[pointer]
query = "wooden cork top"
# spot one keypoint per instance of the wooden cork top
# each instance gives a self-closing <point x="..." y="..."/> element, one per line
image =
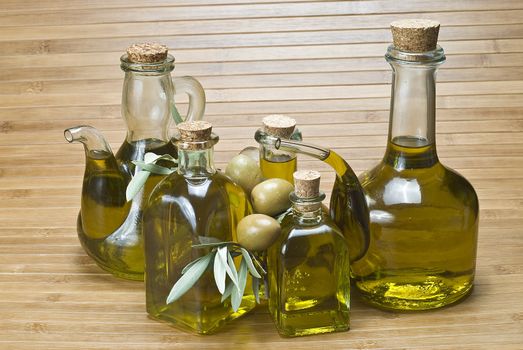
<point x="147" y="53"/>
<point x="279" y="125"/>
<point x="307" y="183"/>
<point x="415" y="35"/>
<point x="195" y="131"/>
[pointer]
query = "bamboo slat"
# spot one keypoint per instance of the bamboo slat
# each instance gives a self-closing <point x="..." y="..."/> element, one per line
<point x="320" y="62"/>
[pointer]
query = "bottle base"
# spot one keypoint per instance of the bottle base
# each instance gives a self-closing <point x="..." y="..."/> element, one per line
<point x="199" y="325"/>
<point x="324" y="322"/>
<point x="414" y="294"/>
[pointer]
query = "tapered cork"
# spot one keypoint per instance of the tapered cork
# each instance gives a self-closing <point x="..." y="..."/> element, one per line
<point x="147" y="53"/>
<point x="415" y="35"/>
<point x="307" y="183"/>
<point x="279" y="125"/>
<point x="195" y="131"/>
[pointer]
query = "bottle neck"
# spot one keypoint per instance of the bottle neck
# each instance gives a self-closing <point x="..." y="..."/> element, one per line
<point x="412" y="126"/>
<point x="147" y="99"/>
<point x="307" y="211"/>
<point x="196" y="163"/>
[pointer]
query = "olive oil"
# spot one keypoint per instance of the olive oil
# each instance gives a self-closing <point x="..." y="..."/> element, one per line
<point x="197" y="201"/>
<point x="275" y="163"/>
<point x="424" y="222"/>
<point x="423" y="215"/>
<point x="282" y="167"/>
<point x="309" y="272"/>
<point x="109" y="227"/>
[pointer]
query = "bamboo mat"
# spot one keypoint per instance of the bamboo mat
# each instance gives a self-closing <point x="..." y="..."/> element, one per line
<point x="318" y="61"/>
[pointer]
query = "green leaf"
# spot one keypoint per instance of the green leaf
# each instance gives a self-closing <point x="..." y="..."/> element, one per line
<point x="250" y="265"/>
<point x="233" y="274"/>
<point x="154" y="168"/>
<point x="259" y="265"/>
<point x="209" y="245"/>
<point x="256" y="289"/>
<point x="191" y="276"/>
<point x="237" y="295"/>
<point x="176" y="116"/>
<point x="206" y="239"/>
<point x="228" y="291"/>
<point x="220" y="270"/>
<point x="136" y="184"/>
<point x="188" y="266"/>
<point x="223" y="255"/>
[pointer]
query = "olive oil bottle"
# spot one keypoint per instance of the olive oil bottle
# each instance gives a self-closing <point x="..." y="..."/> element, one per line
<point x="197" y="201"/>
<point x="109" y="227"/>
<point x="348" y="206"/>
<point x="309" y="267"/>
<point x="276" y="163"/>
<point x="424" y="216"/>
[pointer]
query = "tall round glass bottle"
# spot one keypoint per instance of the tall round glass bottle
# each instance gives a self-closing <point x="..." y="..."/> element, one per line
<point x="424" y="216"/>
<point x="197" y="201"/>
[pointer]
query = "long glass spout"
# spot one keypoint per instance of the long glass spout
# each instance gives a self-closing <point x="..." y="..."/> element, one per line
<point x="348" y="205"/>
<point x="90" y="137"/>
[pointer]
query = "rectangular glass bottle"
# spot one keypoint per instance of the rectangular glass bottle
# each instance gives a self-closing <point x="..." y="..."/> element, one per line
<point x="309" y="268"/>
<point x="196" y="201"/>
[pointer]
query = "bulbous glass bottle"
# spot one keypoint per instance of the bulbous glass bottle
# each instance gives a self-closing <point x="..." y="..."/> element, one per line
<point x="424" y="216"/>
<point x="196" y="201"/>
<point x="109" y="226"/>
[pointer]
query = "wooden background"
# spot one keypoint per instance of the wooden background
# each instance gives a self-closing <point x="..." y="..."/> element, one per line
<point x="318" y="61"/>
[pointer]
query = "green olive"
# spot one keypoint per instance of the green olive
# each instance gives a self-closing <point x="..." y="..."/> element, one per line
<point x="257" y="232"/>
<point x="244" y="171"/>
<point x="271" y="197"/>
<point x="252" y="152"/>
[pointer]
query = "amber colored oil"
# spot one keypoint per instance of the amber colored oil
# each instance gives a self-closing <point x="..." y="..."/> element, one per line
<point x="181" y="209"/>
<point x="352" y="219"/>
<point x="281" y="167"/>
<point x="309" y="279"/>
<point x="109" y="227"/>
<point x="424" y="225"/>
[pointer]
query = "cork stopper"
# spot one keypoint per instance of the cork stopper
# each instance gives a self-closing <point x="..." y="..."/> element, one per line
<point x="147" y="53"/>
<point x="279" y="125"/>
<point x="307" y="183"/>
<point x="195" y="131"/>
<point x="415" y="35"/>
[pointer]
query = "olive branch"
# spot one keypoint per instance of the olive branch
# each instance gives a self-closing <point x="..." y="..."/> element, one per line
<point x="221" y="257"/>
<point x="145" y="168"/>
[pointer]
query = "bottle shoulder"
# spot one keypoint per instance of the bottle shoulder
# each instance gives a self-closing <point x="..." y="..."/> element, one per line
<point x="434" y="186"/>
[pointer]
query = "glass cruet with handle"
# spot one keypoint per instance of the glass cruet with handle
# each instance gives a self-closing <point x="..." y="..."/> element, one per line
<point x="109" y="225"/>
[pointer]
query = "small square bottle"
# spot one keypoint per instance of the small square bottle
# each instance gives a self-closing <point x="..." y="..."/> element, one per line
<point x="309" y="267"/>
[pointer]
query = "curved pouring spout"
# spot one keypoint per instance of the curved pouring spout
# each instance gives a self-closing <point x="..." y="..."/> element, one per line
<point x="105" y="218"/>
<point x="90" y="137"/>
<point x="348" y="205"/>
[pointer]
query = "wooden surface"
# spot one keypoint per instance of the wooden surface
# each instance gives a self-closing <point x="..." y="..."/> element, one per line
<point x="321" y="62"/>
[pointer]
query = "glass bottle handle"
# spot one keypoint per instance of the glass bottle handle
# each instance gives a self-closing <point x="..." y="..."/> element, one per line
<point x="194" y="90"/>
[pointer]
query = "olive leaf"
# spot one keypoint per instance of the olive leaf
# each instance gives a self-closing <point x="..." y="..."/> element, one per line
<point x="136" y="184"/>
<point x="228" y="291"/>
<point x="207" y="239"/>
<point x="176" y="115"/>
<point x="210" y="244"/>
<point x="220" y="272"/>
<point x="146" y="167"/>
<point x="222" y="257"/>
<point x="250" y="265"/>
<point x="256" y="289"/>
<point x="188" y="279"/>
<point x="154" y="168"/>
<point x="237" y="294"/>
